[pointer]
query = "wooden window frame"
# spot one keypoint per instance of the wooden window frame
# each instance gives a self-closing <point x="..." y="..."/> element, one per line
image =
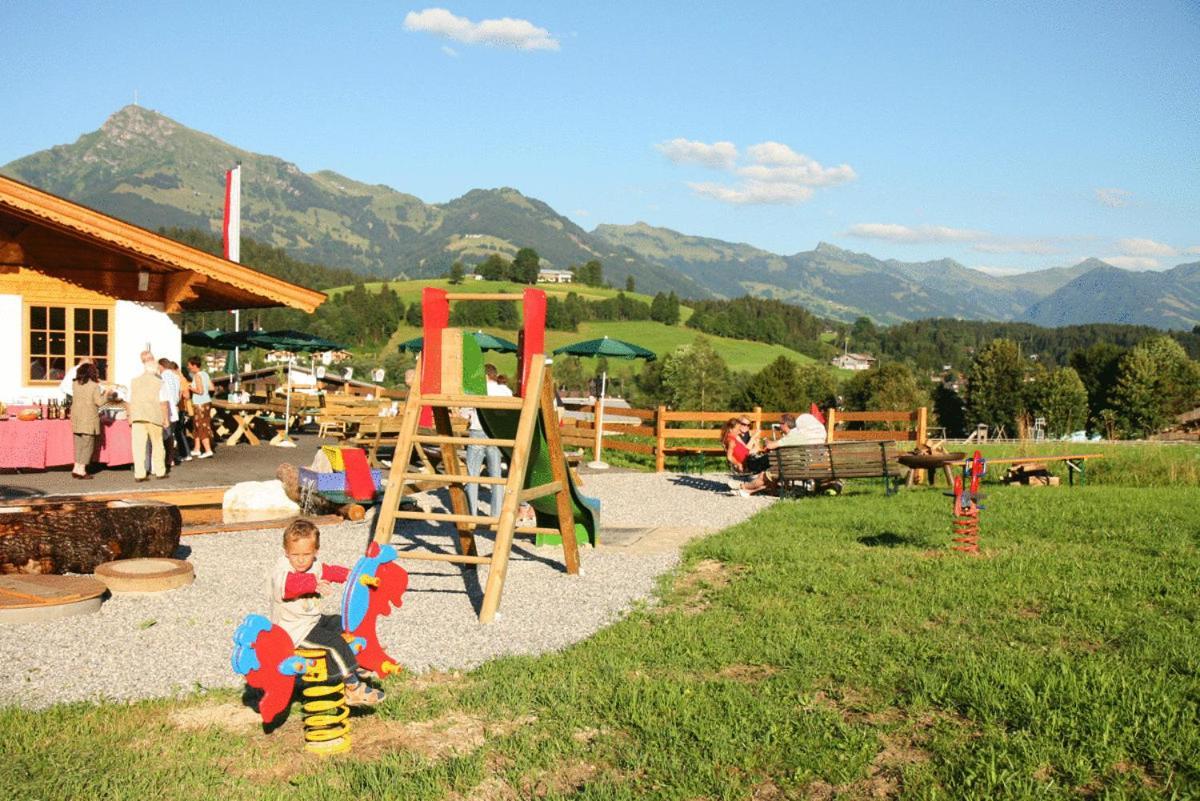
<point x="69" y="331"/>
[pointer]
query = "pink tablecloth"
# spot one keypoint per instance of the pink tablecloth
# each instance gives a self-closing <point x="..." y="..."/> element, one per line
<point x="38" y="444"/>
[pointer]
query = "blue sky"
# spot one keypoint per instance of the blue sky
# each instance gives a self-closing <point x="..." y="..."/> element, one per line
<point x="1009" y="136"/>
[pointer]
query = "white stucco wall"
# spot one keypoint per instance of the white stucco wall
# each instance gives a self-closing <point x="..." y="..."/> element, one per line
<point x="12" y="347"/>
<point x="138" y="326"/>
<point x="134" y="326"/>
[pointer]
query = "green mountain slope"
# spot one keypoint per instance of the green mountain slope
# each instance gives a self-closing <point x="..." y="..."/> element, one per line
<point x="1168" y="299"/>
<point x="146" y="168"/>
<point x="827" y="280"/>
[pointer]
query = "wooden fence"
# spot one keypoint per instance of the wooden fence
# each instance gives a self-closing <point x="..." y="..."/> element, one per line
<point x="662" y="432"/>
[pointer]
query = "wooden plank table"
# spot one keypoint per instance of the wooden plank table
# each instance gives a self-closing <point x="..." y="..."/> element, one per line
<point x="243" y="414"/>
<point x="1075" y="464"/>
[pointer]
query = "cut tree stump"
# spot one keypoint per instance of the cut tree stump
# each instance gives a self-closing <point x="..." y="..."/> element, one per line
<point x="74" y="535"/>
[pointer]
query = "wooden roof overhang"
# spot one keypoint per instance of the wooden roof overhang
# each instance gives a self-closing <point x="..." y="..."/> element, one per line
<point x="45" y="233"/>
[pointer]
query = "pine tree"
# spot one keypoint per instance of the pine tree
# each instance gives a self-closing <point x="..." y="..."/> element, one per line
<point x="994" y="386"/>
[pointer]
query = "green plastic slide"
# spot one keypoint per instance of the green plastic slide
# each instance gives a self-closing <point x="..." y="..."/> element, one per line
<point x="502" y="424"/>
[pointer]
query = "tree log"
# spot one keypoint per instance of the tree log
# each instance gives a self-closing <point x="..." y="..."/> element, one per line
<point x="74" y="535"/>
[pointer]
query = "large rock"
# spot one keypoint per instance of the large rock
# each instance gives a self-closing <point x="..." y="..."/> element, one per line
<point x="257" y="500"/>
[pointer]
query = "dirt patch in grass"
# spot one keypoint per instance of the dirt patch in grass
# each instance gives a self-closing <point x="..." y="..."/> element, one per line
<point x="229" y="717"/>
<point x="565" y="779"/>
<point x="453" y="734"/>
<point x="694" y="587"/>
<point x="748" y="674"/>
<point x="901" y="735"/>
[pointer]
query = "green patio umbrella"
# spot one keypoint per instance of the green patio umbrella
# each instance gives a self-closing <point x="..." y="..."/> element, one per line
<point x="613" y="349"/>
<point x="296" y="342"/>
<point x="607" y="346"/>
<point x="486" y="342"/>
<point x="212" y="338"/>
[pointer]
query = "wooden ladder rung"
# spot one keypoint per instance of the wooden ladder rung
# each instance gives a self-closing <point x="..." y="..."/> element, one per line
<point x="426" y="439"/>
<point x="442" y="478"/>
<point x="536" y="530"/>
<point x="476" y="401"/>
<point x="429" y="556"/>
<point x="447" y="517"/>
<point x="542" y="491"/>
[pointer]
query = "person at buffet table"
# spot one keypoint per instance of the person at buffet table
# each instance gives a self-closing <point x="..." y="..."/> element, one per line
<point x="174" y="382"/>
<point x="201" y="391"/>
<point x="87" y="396"/>
<point x="148" y="416"/>
<point x="69" y="379"/>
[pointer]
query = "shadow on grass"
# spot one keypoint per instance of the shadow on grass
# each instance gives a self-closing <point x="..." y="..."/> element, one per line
<point x="890" y="539"/>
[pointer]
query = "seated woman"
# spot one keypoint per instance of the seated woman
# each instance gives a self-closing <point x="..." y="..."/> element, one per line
<point x="743" y="457"/>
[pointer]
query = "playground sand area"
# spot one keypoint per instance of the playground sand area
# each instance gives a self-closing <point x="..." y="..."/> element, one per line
<point x="174" y="643"/>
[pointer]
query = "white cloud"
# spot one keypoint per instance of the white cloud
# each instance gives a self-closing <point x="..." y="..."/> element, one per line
<point x="753" y="193"/>
<point x="1113" y="198"/>
<point x="914" y="234"/>
<point x="450" y="51"/>
<point x="1144" y="247"/>
<point x="810" y="173"/>
<point x="718" y="155"/>
<point x="775" y="174"/>
<point x="505" y="32"/>
<point x="1193" y="250"/>
<point x="582" y="213"/>
<point x="1132" y="262"/>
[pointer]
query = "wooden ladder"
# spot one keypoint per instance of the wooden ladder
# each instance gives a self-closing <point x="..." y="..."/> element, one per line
<point x="538" y="401"/>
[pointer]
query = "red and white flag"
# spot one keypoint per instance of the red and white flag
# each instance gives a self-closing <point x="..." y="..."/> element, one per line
<point x="231" y="230"/>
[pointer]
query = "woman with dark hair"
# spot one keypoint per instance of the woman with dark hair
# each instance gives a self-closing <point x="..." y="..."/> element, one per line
<point x="201" y="390"/>
<point x="86" y="399"/>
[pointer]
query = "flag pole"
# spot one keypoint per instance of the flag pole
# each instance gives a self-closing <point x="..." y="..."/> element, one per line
<point x="231" y="243"/>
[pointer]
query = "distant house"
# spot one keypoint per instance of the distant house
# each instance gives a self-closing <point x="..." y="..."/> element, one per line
<point x="555" y="276"/>
<point x="854" y="361"/>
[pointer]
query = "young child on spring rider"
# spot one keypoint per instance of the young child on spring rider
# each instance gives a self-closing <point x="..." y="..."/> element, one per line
<point x="264" y="650"/>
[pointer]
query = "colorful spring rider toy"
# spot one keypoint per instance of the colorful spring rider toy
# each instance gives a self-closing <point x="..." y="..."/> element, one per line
<point x="269" y="660"/>
<point x="966" y="505"/>
<point x="326" y="716"/>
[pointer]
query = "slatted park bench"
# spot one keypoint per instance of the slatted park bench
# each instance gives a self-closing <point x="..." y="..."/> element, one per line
<point x="799" y="469"/>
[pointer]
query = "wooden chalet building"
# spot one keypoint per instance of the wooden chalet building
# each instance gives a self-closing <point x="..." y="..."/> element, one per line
<point x="75" y="282"/>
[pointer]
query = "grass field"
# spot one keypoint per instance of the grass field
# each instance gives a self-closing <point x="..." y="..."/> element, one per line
<point x="739" y="354"/>
<point x="831" y="647"/>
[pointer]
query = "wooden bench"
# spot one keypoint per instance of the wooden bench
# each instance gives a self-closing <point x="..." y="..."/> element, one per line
<point x="799" y="468"/>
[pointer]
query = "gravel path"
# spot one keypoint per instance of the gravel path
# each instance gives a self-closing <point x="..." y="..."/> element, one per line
<point x="173" y="643"/>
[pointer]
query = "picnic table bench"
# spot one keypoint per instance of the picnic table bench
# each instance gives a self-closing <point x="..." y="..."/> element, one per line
<point x="1076" y="463"/>
<point x="800" y="468"/>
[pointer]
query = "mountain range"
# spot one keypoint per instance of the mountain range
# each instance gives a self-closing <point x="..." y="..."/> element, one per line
<point x="148" y="169"/>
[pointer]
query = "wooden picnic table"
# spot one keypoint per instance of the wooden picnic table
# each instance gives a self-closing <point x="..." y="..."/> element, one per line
<point x="244" y="414"/>
<point x="1076" y="463"/>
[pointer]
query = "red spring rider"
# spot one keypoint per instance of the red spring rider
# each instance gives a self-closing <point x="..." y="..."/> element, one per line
<point x="966" y="505"/>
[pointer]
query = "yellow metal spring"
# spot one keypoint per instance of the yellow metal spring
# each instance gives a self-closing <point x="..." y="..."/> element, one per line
<point x="326" y="716"/>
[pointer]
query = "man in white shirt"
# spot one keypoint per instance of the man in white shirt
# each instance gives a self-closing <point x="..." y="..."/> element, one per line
<point x="476" y="453"/>
<point x="171" y="391"/>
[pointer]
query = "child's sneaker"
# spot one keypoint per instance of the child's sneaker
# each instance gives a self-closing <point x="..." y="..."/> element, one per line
<point x="363" y="694"/>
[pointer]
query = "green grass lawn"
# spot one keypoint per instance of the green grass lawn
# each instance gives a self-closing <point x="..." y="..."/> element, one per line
<point x="829" y="647"/>
<point x="739" y="354"/>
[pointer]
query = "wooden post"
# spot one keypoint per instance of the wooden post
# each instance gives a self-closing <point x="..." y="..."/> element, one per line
<point x="598" y="424"/>
<point x="660" y="425"/>
<point x="558" y="472"/>
<point x="758" y="422"/>
<point x="512" y="497"/>
<point x="922" y="436"/>
<point x="830" y="422"/>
